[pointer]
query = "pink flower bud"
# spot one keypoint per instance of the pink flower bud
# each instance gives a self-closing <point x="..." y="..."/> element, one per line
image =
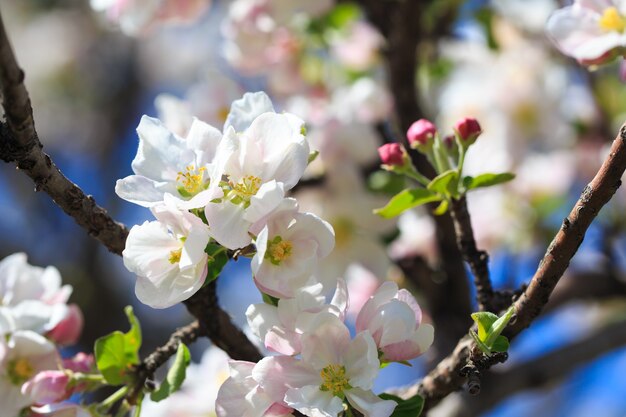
<point x="392" y="154"/>
<point x="81" y="362"/>
<point x="421" y="133"/>
<point x="468" y="130"/>
<point x="47" y="387"/>
<point x="69" y="329"/>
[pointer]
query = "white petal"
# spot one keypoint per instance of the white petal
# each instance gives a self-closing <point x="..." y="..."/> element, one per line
<point x="267" y="199"/>
<point x="227" y="224"/>
<point x="246" y="109"/>
<point x="312" y="402"/>
<point x="326" y="344"/>
<point x="361" y="361"/>
<point x="139" y="190"/>
<point x="369" y="404"/>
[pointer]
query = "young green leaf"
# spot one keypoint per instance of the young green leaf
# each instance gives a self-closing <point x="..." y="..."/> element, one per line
<point x="498" y="326"/>
<point x="175" y="376"/>
<point x="444" y="183"/>
<point x="405" y="408"/>
<point x="484" y="320"/>
<point x="132" y="339"/>
<point x="501" y="344"/>
<point x="486" y="180"/>
<point x="405" y="200"/>
<point x="111" y="357"/>
<point x="441" y="208"/>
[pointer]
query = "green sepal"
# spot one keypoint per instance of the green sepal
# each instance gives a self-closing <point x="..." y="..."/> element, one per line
<point x="117" y="352"/>
<point x="483" y="347"/>
<point x="216" y="261"/>
<point x="486" y="180"/>
<point x="268" y="299"/>
<point x="406" y="408"/>
<point x="312" y="156"/>
<point x="405" y="200"/>
<point x="175" y="376"/>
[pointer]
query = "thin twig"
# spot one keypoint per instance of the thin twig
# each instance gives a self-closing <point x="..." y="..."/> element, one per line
<point x="145" y="371"/>
<point x="19" y="143"/>
<point x="446" y="378"/>
<point x="477" y="259"/>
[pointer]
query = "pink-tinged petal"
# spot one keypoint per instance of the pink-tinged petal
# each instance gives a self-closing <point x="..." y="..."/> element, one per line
<point x="310" y="401"/>
<point x="279" y="373"/>
<point x="261" y="318"/>
<point x="396" y="320"/>
<point x="340" y="298"/>
<point x="406" y="297"/>
<point x="409" y="349"/>
<point x="283" y="341"/>
<point x="361" y="361"/>
<point x="310" y="226"/>
<point x="278" y="410"/>
<point x="385" y="292"/>
<point x="369" y="404"/>
<point x="227" y="224"/>
<point x="325" y="344"/>
<point x="69" y="329"/>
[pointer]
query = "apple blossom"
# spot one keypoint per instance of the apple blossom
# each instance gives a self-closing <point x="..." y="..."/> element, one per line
<point x="289" y="246"/>
<point x="167" y="164"/>
<point x="47" y="387"/>
<point x="81" y="362"/>
<point x="254" y="167"/>
<point x="332" y="369"/>
<point x="22" y="356"/>
<point x="168" y="256"/>
<point x="592" y="32"/>
<point x="241" y="396"/>
<point x="393" y="318"/>
<point x="281" y="327"/>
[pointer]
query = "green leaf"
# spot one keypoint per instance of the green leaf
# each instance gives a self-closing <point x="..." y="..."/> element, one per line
<point x="175" y="375"/>
<point x="444" y="183"/>
<point x="487" y="180"/>
<point x="132" y="339"/>
<point x="218" y="258"/>
<point x="268" y="299"/>
<point x="498" y="326"/>
<point x="501" y="344"/>
<point x="483" y="347"/>
<point x="441" y="208"/>
<point x="405" y="200"/>
<point x="111" y="357"/>
<point x="405" y="408"/>
<point x="484" y="320"/>
<point x="343" y="14"/>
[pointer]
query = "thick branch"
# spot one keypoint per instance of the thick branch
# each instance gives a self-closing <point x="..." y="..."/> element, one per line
<point x="477" y="259"/>
<point x="19" y="143"/>
<point x="144" y="371"/>
<point x="446" y="378"/>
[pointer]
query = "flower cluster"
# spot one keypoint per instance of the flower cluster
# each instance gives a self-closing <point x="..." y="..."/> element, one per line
<point x="35" y="320"/>
<point x="217" y="192"/>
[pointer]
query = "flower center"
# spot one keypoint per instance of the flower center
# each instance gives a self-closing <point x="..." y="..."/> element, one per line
<point x="344" y="229"/>
<point x="611" y="20"/>
<point x="334" y="380"/>
<point x="19" y="371"/>
<point x="246" y="187"/>
<point x="191" y="181"/>
<point x="222" y="113"/>
<point x="175" y="256"/>
<point x="278" y="250"/>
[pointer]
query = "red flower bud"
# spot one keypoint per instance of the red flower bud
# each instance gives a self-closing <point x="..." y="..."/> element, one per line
<point x="421" y="133"/>
<point x="392" y="154"/>
<point x="468" y="130"/>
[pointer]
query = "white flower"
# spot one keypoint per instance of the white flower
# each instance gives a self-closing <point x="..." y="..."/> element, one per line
<point x="168" y="256"/>
<point x="332" y="368"/>
<point x="241" y="396"/>
<point x="289" y="247"/>
<point x="254" y="167"/>
<point x="593" y="32"/>
<point x="22" y="356"/>
<point x="281" y="327"/>
<point x="394" y="318"/>
<point x="167" y="164"/>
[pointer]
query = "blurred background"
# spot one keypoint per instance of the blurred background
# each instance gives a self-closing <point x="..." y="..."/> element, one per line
<point x="93" y="69"/>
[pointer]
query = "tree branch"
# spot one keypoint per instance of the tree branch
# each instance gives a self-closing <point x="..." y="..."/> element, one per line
<point x="19" y="143"/>
<point x="477" y="259"/>
<point x="446" y="377"/>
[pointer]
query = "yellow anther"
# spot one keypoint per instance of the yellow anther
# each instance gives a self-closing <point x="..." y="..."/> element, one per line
<point x="20" y="371"/>
<point x="246" y="187"/>
<point x="278" y="250"/>
<point x="334" y="380"/>
<point x="192" y="180"/>
<point x="175" y="256"/>
<point x="344" y="229"/>
<point x="612" y="20"/>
